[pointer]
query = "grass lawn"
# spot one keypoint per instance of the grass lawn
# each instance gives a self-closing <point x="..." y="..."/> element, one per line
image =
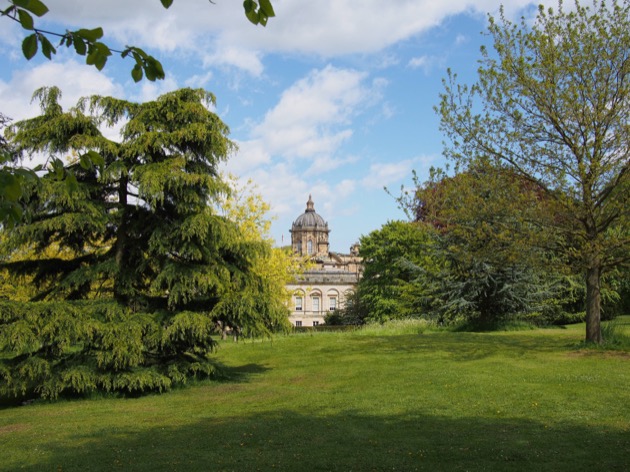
<point x="371" y="400"/>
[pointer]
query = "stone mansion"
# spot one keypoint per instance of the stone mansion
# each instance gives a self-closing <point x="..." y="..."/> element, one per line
<point x="323" y="287"/>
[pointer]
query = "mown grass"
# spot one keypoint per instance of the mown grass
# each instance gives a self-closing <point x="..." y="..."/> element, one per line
<point x="396" y="398"/>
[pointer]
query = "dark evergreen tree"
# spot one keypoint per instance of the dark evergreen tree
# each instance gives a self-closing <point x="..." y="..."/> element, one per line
<point x="133" y="262"/>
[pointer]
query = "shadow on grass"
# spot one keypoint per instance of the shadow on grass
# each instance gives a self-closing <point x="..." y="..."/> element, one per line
<point x="291" y="441"/>
<point x="466" y="346"/>
<point x="240" y="374"/>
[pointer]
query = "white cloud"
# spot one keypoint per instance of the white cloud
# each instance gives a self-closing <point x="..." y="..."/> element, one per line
<point x="345" y="188"/>
<point x="325" y="164"/>
<point x="73" y="79"/>
<point x="426" y="63"/>
<point x="148" y="90"/>
<point x="240" y="58"/>
<point x="313" y="116"/>
<point x="417" y="62"/>
<point x="282" y="187"/>
<point x="383" y="174"/>
<point x="327" y="28"/>
<point x="250" y="155"/>
<point x="199" y="80"/>
<point x="461" y="39"/>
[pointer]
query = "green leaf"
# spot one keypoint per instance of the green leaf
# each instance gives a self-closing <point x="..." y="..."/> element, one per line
<point x="79" y="45"/>
<point x="26" y="20"/>
<point x="15" y="213"/>
<point x="90" y="35"/>
<point x="47" y="48"/>
<point x="10" y="214"/>
<point x="136" y="73"/>
<point x="29" y="46"/>
<point x="26" y="173"/>
<point x="252" y="16"/>
<point x="156" y="68"/>
<point x="166" y="3"/>
<point x="71" y="182"/>
<point x="57" y="168"/>
<point x="98" y="54"/>
<point x="36" y="7"/>
<point x="138" y="54"/>
<point x="150" y="72"/>
<point x="249" y="6"/>
<point x="265" y="6"/>
<point x="11" y="188"/>
<point x="251" y="12"/>
<point x="100" y="61"/>
<point x="85" y="162"/>
<point x="90" y="60"/>
<point x="95" y="158"/>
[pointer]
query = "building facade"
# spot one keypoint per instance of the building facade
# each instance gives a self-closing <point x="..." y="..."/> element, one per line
<point x="324" y="286"/>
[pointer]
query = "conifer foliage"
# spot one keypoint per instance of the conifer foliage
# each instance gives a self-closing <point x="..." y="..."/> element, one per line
<point x="133" y="263"/>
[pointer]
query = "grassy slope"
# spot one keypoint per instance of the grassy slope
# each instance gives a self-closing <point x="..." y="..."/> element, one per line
<point x="379" y="400"/>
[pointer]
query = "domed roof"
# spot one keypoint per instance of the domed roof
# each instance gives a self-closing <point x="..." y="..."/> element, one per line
<point x="309" y="218"/>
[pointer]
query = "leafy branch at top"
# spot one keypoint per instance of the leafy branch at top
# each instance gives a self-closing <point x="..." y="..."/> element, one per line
<point x="86" y="42"/>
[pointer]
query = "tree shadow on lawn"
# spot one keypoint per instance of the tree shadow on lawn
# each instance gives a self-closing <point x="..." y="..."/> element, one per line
<point x="292" y="441"/>
<point x="469" y="346"/>
<point x="239" y="373"/>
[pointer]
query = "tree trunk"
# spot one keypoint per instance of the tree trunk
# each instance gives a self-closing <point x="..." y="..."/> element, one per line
<point x="120" y="289"/>
<point x="593" y="304"/>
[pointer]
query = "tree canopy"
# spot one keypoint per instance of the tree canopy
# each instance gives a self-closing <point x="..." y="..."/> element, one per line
<point x="499" y="256"/>
<point x="131" y="263"/>
<point x="387" y="289"/>
<point x="552" y="105"/>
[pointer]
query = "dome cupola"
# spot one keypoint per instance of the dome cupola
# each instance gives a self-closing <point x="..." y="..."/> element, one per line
<point x="309" y="233"/>
<point x="310" y="218"/>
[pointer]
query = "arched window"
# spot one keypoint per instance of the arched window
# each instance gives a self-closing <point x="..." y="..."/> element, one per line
<point x="333" y="300"/>
<point x="309" y="247"/>
<point x="332" y="303"/>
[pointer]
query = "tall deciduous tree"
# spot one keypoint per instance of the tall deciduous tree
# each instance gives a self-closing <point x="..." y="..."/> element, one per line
<point x="552" y="104"/>
<point x="135" y="265"/>
<point x="492" y="232"/>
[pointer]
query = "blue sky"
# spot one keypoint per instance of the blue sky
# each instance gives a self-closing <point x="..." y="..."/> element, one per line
<point x="333" y="98"/>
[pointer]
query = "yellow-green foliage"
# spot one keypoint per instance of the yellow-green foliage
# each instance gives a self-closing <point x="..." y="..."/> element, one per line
<point x="275" y="267"/>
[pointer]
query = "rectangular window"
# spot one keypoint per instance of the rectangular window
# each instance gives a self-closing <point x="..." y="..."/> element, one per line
<point x="315" y="323"/>
<point x="298" y="323"/>
<point x="315" y="303"/>
<point x="298" y="303"/>
<point x="332" y="303"/>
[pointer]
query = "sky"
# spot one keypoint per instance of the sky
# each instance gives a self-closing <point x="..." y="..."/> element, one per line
<point x="333" y="98"/>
